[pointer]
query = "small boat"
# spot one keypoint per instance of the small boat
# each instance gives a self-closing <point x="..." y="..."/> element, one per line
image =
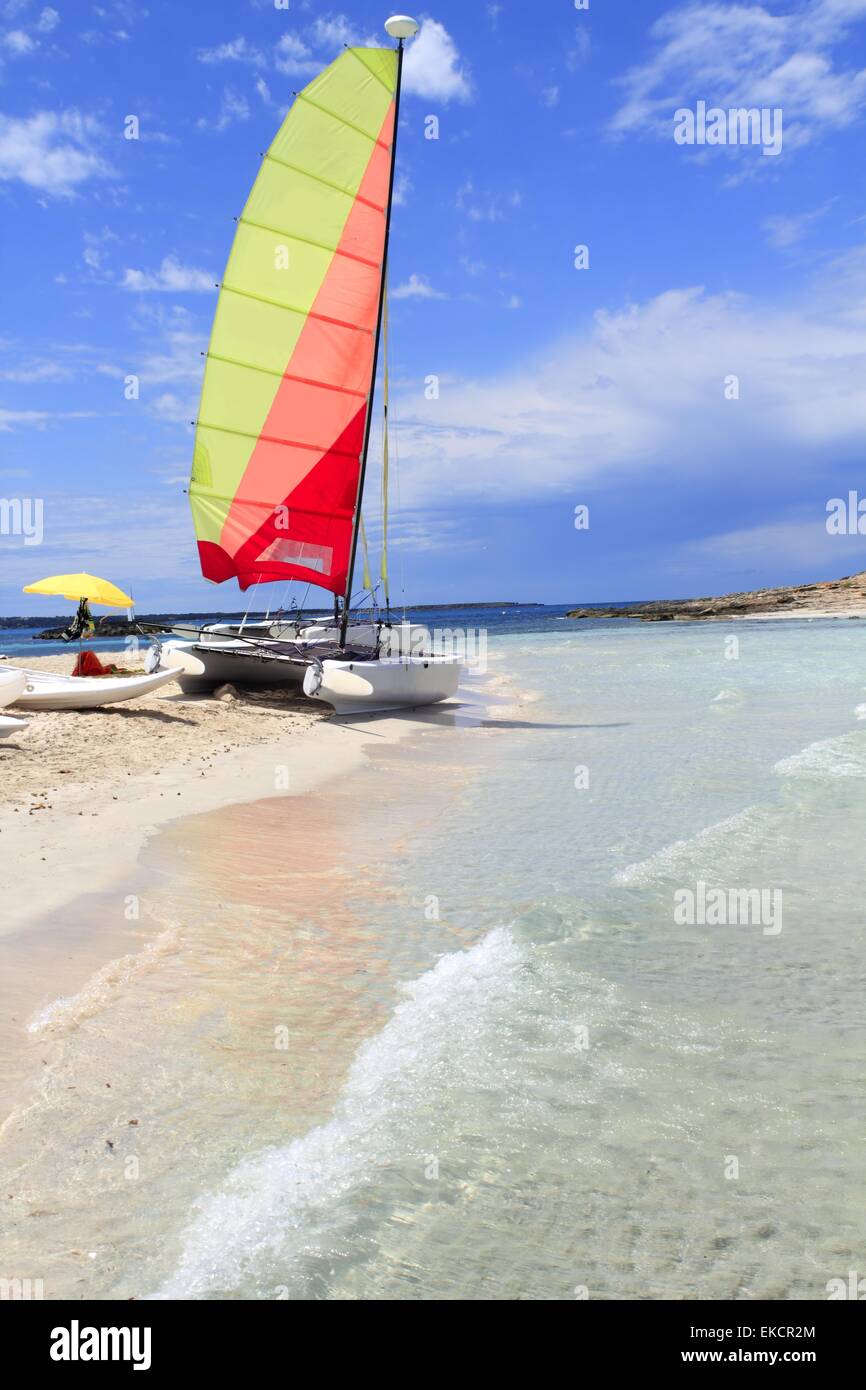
<point x="215" y="659"/>
<point x="43" y="690"/>
<point x="12" y="683"/>
<point x="11" y="726"/>
<point x="282" y="440"/>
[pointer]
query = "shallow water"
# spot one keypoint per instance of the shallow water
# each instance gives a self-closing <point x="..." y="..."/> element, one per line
<point x="439" y="1033"/>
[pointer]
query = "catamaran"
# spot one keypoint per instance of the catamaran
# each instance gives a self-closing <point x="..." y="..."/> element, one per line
<point x="283" y="432"/>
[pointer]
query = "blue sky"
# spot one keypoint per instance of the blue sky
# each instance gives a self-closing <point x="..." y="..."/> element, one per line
<point x="558" y="387"/>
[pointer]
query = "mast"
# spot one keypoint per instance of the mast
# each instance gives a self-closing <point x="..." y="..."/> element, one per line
<point x="400" y="27"/>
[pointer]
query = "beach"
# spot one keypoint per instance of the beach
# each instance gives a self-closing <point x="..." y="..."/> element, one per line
<point x="434" y="1028"/>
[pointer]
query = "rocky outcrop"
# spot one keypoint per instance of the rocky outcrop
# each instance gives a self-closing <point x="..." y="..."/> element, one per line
<point x="840" y="598"/>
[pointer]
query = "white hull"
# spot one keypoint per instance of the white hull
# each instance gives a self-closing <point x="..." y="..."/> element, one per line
<point x="45" y="691"/>
<point x="218" y="659"/>
<point x="10" y="726"/>
<point x="12" y="682"/>
<point x="390" y="683"/>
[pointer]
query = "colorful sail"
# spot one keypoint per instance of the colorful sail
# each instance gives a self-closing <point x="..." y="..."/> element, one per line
<point x="290" y="364"/>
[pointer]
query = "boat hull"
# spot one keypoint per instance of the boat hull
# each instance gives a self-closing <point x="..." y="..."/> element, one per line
<point x="217" y="659"/>
<point x="390" y="683"/>
<point x="201" y="668"/>
<point x="10" y="726"/>
<point x="12" y="683"/>
<point x="44" y="691"/>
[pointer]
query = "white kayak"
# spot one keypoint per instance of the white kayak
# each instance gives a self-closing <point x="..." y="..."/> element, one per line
<point x="11" y="726"/>
<point x="389" y="683"/>
<point x="12" y="682"/>
<point x="45" y="691"/>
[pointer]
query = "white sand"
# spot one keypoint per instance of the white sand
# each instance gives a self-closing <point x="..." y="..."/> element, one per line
<point x="80" y="793"/>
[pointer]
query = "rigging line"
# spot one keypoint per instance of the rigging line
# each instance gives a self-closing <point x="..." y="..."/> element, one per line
<point x="335" y="116"/>
<point x="317" y="178"/>
<point x="307" y="241"/>
<point x="294" y="309"/>
<point x="250" y="603"/>
<point x="383" y="562"/>
<point x="395" y="470"/>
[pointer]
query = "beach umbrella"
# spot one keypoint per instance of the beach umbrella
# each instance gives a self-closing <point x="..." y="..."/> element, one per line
<point x="79" y="586"/>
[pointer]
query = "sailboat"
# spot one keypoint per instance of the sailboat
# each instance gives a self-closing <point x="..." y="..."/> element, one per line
<point x="283" y="433"/>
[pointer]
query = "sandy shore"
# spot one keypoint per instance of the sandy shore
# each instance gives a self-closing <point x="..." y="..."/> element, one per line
<point x="80" y="793"/>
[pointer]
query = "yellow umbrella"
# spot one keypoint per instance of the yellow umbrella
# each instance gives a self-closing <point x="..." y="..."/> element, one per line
<point x="78" y="586"/>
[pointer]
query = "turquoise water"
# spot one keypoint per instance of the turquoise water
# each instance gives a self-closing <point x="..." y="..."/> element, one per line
<point x="513" y="1072"/>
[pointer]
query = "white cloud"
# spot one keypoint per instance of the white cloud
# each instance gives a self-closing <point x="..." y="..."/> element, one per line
<point x="417" y="287"/>
<point x="402" y="188"/>
<point x="333" y="32"/>
<point x="51" y="151"/>
<point x="48" y="20"/>
<point x="734" y="55"/>
<point x="234" y="107"/>
<point x="38" y="418"/>
<point x="432" y="66"/>
<point x="785" y="230"/>
<point x="235" y="51"/>
<point x="798" y="543"/>
<point x="293" y="57"/>
<point x="17" y="43"/>
<point x="171" y="276"/>
<point x="642" y="394"/>
<point x="550" y="96"/>
<point x="483" y="205"/>
<point x="175" y="410"/>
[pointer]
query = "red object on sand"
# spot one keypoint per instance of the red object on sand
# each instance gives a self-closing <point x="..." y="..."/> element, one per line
<point x="88" y="664"/>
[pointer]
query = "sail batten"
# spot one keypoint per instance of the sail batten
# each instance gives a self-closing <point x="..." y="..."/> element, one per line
<point x="296" y="309"/>
<point x="308" y="241"/>
<point x="289" y="368"/>
<point x="302" y="96"/>
<point x="286" y="376"/>
<point x="317" y="178"/>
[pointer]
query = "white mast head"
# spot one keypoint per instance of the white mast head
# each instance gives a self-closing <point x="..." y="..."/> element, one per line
<point x="402" y="26"/>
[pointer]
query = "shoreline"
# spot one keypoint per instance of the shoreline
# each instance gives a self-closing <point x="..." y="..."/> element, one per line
<point x="81" y="860"/>
<point x="80" y="791"/>
<point x="834" y="598"/>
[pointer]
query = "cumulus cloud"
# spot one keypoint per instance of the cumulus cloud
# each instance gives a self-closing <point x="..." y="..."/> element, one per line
<point x="734" y="55"/>
<point x="417" y="287"/>
<point x="52" y="151"/>
<point x="17" y="43"/>
<point x="172" y="277"/>
<point x="433" y="67"/>
<point x="48" y="20"/>
<point x="237" y="50"/>
<point x="233" y="107"/>
<point x="642" y="395"/>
